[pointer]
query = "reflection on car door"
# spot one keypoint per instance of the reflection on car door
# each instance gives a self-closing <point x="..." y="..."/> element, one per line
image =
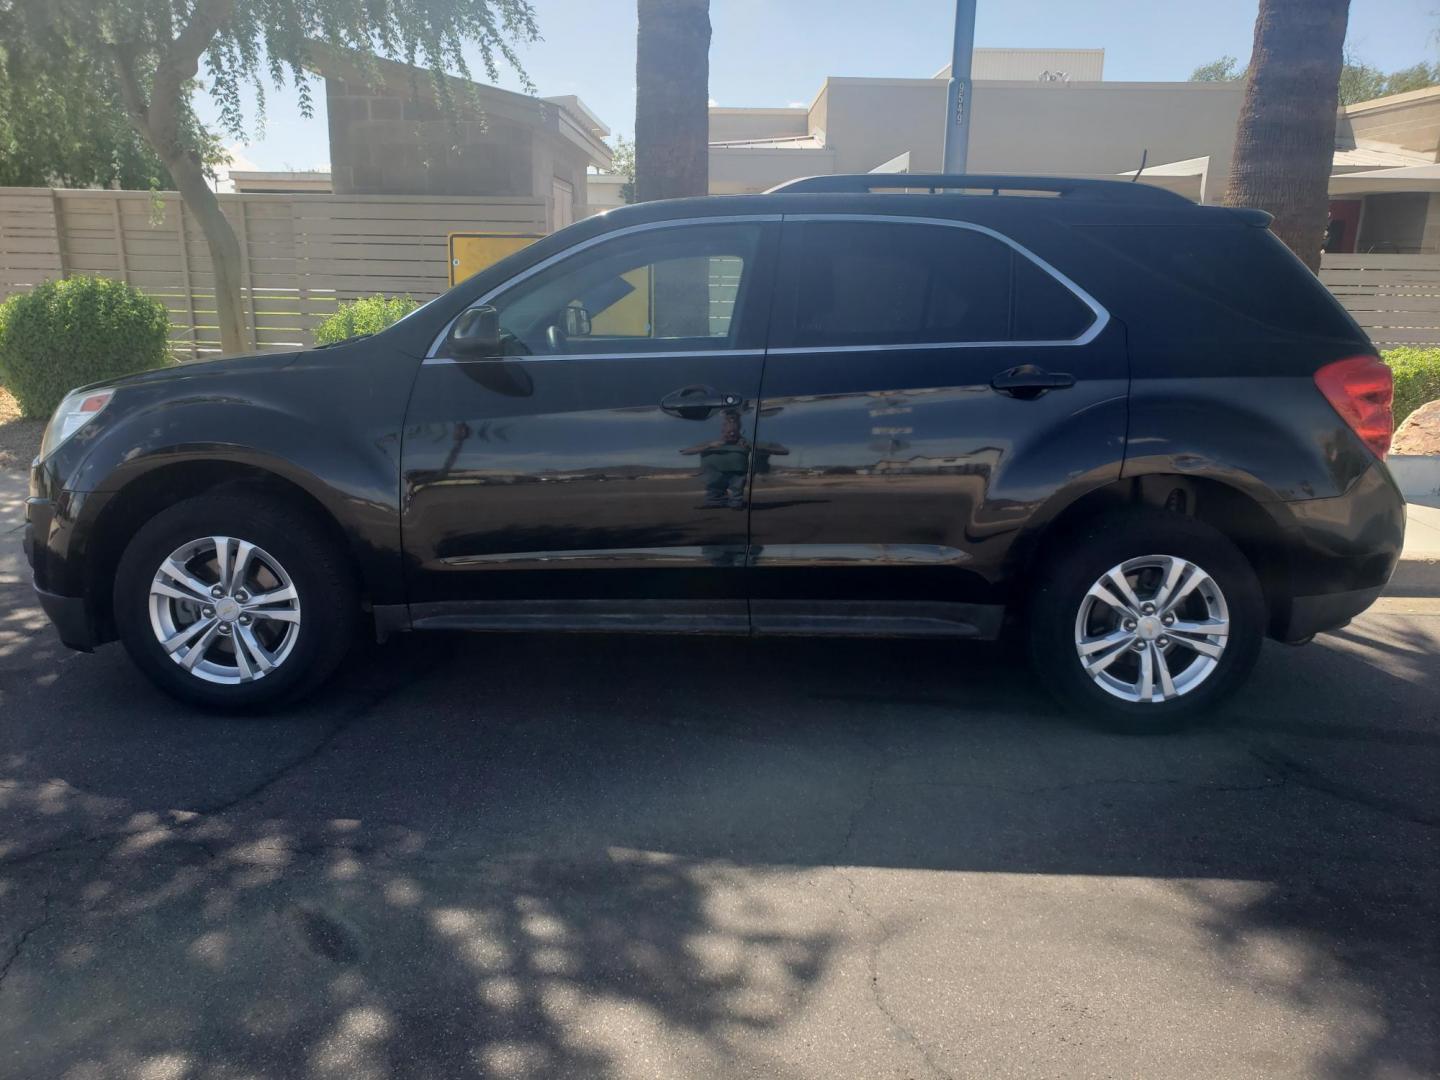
<point x="914" y="368"/>
<point x="608" y="447"/>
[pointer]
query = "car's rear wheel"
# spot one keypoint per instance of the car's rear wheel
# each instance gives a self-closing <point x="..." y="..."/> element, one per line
<point x="234" y="601"/>
<point x="1145" y="620"/>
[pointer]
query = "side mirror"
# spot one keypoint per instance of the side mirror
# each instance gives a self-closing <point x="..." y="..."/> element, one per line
<point x="476" y="333"/>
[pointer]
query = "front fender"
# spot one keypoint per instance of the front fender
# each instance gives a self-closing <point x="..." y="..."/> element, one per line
<point x="332" y="430"/>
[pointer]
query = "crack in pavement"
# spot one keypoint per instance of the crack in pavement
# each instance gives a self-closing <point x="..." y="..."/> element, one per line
<point x="881" y="937"/>
<point x="1302" y="775"/>
<point x="879" y="940"/>
<point x="23" y="938"/>
<point x="347" y="719"/>
<point x="1104" y="781"/>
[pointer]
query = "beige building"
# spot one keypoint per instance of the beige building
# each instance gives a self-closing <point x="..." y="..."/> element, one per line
<point x="1037" y="111"/>
<point x="1051" y="112"/>
<point x="1385" y="191"/>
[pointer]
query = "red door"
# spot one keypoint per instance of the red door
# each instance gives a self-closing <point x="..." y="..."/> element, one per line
<point x="1344" y="226"/>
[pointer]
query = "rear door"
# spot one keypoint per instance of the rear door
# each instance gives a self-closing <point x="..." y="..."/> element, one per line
<point x="929" y="383"/>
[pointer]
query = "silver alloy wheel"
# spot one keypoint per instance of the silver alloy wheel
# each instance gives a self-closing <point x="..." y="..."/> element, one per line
<point x="225" y="610"/>
<point x="1152" y="629"/>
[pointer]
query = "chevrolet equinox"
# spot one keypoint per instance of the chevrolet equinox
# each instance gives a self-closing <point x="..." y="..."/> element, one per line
<point x="1136" y="429"/>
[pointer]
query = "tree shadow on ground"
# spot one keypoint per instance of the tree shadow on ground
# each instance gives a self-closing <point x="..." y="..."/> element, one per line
<point x="526" y="856"/>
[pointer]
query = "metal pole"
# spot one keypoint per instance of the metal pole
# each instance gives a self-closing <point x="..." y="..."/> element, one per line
<point x="957" y="105"/>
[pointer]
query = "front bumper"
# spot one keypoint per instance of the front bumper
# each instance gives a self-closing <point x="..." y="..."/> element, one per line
<point x="47" y="550"/>
<point x="71" y="618"/>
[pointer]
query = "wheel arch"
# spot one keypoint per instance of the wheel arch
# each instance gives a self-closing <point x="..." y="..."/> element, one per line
<point x="163" y="485"/>
<point x="1259" y="530"/>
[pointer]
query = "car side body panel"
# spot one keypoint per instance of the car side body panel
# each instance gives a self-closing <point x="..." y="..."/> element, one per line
<point x="307" y="420"/>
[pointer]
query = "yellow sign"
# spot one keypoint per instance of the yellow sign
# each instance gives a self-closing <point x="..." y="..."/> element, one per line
<point x="472" y="252"/>
<point x="630" y="315"/>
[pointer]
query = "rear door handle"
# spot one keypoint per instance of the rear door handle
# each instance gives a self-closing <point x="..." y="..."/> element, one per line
<point x="697" y="402"/>
<point x="1030" y="381"/>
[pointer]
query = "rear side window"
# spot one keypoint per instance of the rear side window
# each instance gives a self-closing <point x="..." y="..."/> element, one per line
<point x="857" y="283"/>
<point x="1216" y="274"/>
<point x="1042" y="308"/>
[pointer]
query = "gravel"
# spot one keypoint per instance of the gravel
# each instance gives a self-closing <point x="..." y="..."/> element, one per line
<point x="19" y="438"/>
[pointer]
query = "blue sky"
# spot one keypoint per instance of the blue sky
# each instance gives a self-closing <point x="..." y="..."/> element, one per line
<point x="777" y="52"/>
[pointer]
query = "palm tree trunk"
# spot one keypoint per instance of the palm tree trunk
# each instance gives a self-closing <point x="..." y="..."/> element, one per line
<point x="1285" y="143"/>
<point x="672" y="95"/>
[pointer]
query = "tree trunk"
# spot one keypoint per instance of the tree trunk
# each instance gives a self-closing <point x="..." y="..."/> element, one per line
<point x="225" y="256"/>
<point x="672" y="99"/>
<point x="158" y="119"/>
<point x="1285" y="143"/>
<point x="225" y="261"/>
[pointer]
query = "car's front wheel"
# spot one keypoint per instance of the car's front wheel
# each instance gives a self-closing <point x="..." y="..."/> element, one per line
<point x="1145" y="620"/>
<point x="235" y="601"/>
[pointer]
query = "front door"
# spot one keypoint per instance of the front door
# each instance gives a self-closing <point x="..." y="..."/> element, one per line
<point x="595" y="475"/>
<point x="928" y="383"/>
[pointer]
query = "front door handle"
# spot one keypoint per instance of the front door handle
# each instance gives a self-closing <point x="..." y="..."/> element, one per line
<point x="1030" y="381"/>
<point x="698" y="402"/>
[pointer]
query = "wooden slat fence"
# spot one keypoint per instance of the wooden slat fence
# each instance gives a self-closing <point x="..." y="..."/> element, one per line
<point x="303" y="253"/>
<point x="306" y="252"/>
<point x="1396" y="298"/>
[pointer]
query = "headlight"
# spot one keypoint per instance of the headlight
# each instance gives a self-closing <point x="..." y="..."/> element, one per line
<point x="77" y="410"/>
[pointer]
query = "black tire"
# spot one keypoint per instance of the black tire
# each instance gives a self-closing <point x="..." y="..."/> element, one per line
<point x="318" y="568"/>
<point x="1069" y="568"/>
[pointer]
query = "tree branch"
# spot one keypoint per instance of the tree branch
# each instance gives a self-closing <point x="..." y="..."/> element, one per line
<point x="180" y="62"/>
<point x="130" y="92"/>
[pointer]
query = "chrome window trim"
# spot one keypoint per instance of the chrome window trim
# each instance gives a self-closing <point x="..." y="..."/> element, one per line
<point x="432" y="356"/>
<point x="1096" y="327"/>
<point x="1094" y="330"/>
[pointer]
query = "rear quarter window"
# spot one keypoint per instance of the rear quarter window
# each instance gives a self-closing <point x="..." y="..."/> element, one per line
<point x="1216" y="281"/>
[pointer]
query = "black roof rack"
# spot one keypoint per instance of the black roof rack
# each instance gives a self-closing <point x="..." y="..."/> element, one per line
<point x="1066" y="187"/>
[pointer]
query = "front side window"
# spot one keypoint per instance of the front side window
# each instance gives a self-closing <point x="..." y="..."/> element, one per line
<point x="858" y="283"/>
<point x="661" y="290"/>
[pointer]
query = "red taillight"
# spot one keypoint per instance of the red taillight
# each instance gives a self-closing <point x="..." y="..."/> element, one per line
<point x="1361" y="389"/>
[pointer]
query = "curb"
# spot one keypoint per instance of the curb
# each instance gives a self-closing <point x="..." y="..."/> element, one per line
<point x="1415" y="577"/>
<point x="1418" y="475"/>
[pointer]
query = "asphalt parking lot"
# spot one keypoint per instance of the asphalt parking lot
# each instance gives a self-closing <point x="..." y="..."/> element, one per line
<point x="592" y="857"/>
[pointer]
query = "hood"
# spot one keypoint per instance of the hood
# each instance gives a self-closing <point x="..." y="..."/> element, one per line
<point x="257" y="363"/>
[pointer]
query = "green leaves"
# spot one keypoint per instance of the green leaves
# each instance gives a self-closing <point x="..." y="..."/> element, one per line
<point x="1359" y="81"/>
<point x="369" y="315"/>
<point x="72" y="131"/>
<point x="1417" y="378"/>
<point x="82" y="330"/>
<point x="1225" y="69"/>
<point x="261" y="43"/>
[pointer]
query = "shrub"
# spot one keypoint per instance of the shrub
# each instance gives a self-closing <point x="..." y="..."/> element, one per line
<point x="1417" y="378"/>
<point x="368" y="315"/>
<point x="64" y="334"/>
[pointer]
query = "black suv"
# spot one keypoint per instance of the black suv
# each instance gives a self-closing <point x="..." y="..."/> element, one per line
<point x="1138" y="426"/>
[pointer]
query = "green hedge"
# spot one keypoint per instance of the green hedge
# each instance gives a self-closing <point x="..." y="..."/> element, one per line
<point x="1417" y="378"/>
<point x="64" y="334"/>
<point x="368" y="315"/>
